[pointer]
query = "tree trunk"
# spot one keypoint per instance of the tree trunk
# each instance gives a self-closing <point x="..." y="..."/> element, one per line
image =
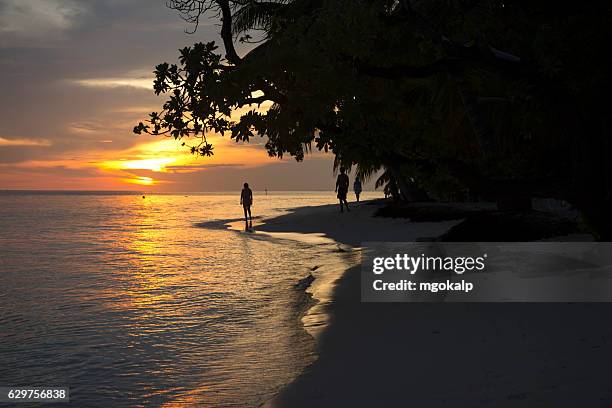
<point x="408" y="190"/>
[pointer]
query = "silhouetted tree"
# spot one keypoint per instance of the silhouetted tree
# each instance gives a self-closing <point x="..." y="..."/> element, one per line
<point x="505" y="101"/>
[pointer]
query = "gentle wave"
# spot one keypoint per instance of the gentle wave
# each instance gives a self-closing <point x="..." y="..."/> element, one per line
<point x="138" y="302"/>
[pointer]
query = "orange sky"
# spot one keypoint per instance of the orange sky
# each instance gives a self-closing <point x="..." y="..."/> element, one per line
<point x="76" y="82"/>
<point x="140" y="162"/>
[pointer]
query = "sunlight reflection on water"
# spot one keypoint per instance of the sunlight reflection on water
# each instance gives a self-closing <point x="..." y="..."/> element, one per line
<point x="131" y="303"/>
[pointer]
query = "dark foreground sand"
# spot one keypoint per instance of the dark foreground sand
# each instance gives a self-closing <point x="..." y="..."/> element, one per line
<point x="446" y="354"/>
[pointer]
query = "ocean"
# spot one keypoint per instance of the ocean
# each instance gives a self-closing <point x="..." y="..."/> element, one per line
<point x="134" y="301"/>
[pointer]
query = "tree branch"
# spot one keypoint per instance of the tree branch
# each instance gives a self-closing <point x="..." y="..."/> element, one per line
<point x="226" y="32"/>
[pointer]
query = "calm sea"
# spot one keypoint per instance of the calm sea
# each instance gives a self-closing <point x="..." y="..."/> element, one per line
<point x="151" y="301"/>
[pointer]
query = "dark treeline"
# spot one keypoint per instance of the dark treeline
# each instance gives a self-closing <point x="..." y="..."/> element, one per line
<point x="504" y="101"/>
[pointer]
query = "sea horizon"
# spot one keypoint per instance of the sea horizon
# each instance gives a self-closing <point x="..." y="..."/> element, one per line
<point x="138" y="192"/>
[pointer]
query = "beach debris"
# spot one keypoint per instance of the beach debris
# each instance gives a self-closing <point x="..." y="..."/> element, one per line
<point x="314" y="268"/>
<point x="305" y="282"/>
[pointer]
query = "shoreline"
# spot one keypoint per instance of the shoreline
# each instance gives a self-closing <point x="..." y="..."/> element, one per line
<point x="342" y="233"/>
<point x="441" y="354"/>
<point x="351" y="228"/>
<point x="324" y="224"/>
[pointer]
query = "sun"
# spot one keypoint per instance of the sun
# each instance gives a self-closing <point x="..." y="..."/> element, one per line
<point x="143" y="181"/>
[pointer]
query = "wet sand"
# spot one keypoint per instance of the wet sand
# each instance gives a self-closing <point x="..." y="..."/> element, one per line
<point x="443" y="354"/>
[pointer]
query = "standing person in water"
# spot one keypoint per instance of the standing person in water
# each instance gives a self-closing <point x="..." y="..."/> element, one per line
<point x="246" y="200"/>
<point x="342" y="185"/>
<point x="357" y="187"/>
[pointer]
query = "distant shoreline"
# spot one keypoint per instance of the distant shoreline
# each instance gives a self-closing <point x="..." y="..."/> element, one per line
<point x="139" y="192"/>
<point x="70" y="192"/>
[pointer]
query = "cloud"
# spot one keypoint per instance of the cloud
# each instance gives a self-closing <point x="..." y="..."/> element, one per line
<point x="86" y="127"/>
<point x="23" y="142"/>
<point x="33" y="18"/>
<point x="110" y="83"/>
<point x="138" y="109"/>
<point x="189" y="168"/>
<point x="80" y="71"/>
<point x="137" y="78"/>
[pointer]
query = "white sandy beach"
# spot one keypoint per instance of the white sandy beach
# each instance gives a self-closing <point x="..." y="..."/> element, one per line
<point x="354" y="227"/>
<point x="443" y="354"/>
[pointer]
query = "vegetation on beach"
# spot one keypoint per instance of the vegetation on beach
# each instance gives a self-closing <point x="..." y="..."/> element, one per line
<point x="442" y="97"/>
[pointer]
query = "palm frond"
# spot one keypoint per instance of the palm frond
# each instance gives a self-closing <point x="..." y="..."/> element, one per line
<point x="256" y="15"/>
<point x="366" y="171"/>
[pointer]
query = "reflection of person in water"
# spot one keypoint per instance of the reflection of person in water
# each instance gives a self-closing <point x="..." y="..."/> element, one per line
<point x="342" y="185"/>
<point x="246" y="199"/>
<point x="357" y="187"/>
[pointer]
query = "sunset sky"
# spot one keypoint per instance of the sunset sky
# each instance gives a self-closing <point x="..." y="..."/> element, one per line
<point x="76" y="76"/>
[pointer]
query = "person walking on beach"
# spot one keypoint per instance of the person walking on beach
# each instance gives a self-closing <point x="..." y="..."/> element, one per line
<point x="246" y="200"/>
<point x="357" y="187"/>
<point x="342" y="185"/>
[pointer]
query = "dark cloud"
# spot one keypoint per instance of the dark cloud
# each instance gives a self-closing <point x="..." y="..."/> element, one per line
<point x="47" y="45"/>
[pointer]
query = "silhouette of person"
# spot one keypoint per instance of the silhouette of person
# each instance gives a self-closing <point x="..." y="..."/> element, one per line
<point x="357" y="187"/>
<point x="342" y="185"/>
<point x="246" y="200"/>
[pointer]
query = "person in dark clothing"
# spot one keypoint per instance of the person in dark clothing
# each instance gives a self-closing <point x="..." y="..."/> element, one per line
<point x="246" y="200"/>
<point x="342" y="185"/>
<point x="357" y="187"/>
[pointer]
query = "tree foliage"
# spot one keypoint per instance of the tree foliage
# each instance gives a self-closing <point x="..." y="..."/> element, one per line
<point x="484" y="95"/>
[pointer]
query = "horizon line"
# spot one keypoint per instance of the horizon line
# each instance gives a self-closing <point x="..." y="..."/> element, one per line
<point x="153" y="192"/>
